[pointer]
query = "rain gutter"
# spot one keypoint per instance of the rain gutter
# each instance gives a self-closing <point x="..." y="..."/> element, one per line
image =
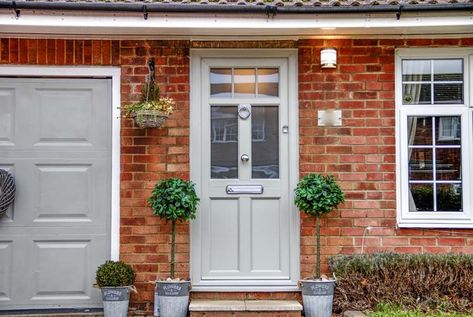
<point x="222" y="8"/>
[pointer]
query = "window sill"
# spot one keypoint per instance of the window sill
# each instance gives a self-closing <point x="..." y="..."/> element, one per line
<point x="433" y="224"/>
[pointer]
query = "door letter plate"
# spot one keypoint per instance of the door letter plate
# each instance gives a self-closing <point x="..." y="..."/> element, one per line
<point x="244" y="189"/>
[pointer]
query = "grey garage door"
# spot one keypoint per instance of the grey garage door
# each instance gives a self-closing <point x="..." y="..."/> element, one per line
<point x="55" y="138"/>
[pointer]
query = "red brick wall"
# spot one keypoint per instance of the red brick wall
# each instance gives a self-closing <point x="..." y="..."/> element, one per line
<point x="361" y="153"/>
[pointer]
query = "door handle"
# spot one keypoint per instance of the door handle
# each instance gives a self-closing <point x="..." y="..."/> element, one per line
<point x="245" y="158"/>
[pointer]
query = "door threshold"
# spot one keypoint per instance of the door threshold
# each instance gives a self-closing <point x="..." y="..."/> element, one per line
<point x="247" y="289"/>
<point x="56" y="312"/>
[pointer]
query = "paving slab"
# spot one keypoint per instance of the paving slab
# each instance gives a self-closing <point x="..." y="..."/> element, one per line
<point x="273" y="305"/>
<point x="216" y="305"/>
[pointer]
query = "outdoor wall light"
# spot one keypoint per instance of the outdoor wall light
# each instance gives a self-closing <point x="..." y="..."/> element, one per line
<point x="328" y="58"/>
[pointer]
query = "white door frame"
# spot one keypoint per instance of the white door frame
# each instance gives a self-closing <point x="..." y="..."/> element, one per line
<point x="76" y="72"/>
<point x="196" y="56"/>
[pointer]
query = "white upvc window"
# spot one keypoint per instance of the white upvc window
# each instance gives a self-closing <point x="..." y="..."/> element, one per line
<point x="434" y="129"/>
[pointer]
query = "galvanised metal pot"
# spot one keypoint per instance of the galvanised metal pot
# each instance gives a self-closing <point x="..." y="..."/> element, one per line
<point x="173" y="298"/>
<point x="317" y="296"/>
<point x="115" y="301"/>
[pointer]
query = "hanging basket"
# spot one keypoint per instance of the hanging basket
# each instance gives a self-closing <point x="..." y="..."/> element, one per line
<point x="150" y="118"/>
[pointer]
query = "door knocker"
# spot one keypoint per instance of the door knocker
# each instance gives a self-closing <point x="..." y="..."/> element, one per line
<point x="244" y="111"/>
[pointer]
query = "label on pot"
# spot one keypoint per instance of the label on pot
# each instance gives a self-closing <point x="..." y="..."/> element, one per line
<point x="316" y="288"/>
<point x="115" y="294"/>
<point x="173" y="289"/>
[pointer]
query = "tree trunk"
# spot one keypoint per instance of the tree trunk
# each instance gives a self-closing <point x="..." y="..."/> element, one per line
<point x="173" y="240"/>
<point x="318" y="249"/>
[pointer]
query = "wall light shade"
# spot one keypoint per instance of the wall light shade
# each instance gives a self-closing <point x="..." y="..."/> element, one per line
<point x="328" y="58"/>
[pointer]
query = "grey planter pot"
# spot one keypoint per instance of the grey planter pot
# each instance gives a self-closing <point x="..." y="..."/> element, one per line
<point x="115" y="301"/>
<point x="317" y="297"/>
<point x="173" y="297"/>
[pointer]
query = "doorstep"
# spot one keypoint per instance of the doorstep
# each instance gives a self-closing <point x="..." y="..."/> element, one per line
<point x="204" y="308"/>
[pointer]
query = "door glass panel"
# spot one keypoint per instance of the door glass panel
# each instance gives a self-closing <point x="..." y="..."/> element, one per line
<point x="268" y="82"/>
<point x="245" y="82"/>
<point x="224" y="142"/>
<point x="221" y="82"/>
<point x="265" y="142"/>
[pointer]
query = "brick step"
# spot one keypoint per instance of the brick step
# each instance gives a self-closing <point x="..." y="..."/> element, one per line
<point x="244" y="308"/>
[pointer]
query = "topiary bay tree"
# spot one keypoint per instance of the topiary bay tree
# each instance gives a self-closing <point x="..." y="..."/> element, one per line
<point x="174" y="200"/>
<point x="317" y="195"/>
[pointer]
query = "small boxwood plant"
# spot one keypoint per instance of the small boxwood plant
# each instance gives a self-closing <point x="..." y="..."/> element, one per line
<point x="115" y="274"/>
<point x="174" y="199"/>
<point x="317" y="195"/>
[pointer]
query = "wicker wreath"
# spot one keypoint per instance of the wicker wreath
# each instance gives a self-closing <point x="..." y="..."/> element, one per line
<point x="7" y="190"/>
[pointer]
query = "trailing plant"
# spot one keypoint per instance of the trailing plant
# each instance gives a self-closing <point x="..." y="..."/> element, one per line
<point x="114" y="274"/>
<point x="151" y="100"/>
<point x="174" y="199"/>
<point x="425" y="282"/>
<point x="151" y="97"/>
<point x="317" y="195"/>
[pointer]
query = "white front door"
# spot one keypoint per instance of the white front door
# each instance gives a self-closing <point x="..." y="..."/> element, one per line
<point x="245" y="236"/>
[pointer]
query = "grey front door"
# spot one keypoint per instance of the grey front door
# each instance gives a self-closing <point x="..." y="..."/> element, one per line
<point x="55" y="138"/>
<point x="242" y="237"/>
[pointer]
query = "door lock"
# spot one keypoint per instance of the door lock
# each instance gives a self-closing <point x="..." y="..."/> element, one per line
<point x="245" y="158"/>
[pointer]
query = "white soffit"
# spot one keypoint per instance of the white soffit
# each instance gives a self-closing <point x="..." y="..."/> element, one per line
<point x="192" y="25"/>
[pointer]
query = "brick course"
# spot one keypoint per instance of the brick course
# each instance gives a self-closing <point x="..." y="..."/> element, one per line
<point x="361" y="153"/>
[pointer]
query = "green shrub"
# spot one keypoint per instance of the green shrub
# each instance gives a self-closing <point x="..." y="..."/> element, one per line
<point x="414" y="281"/>
<point x="388" y="310"/>
<point x="113" y="274"/>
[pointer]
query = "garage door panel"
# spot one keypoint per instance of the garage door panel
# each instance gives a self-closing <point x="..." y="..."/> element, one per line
<point x="64" y="192"/>
<point x="55" y="261"/>
<point x="7" y="115"/>
<point x="65" y="117"/>
<point x="6" y="259"/>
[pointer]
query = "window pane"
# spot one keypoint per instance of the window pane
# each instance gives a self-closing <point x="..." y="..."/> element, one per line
<point x="265" y="142"/>
<point x="419" y="130"/>
<point x="245" y="82"/>
<point x="421" y="197"/>
<point x="448" y="164"/>
<point x="416" y="70"/>
<point x="221" y="82"/>
<point x="268" y="82"/>
<point x="448" y="70"/>
<point x="224" y="142"/>
<point x="420" y="164"/>
<point x="416" y="94"/>
<point x="448" y="93"/>
<point x="448" y="130"/>
<point x="449" y="197"/>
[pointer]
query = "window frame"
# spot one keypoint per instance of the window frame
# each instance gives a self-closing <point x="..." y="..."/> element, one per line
<point x="463" y="219"/>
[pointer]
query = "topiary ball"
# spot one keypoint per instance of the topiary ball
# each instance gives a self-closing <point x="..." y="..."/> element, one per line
<point x="317" y="195"/>
<point x="174" y="199"/>
<point x="115" y="274"/>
